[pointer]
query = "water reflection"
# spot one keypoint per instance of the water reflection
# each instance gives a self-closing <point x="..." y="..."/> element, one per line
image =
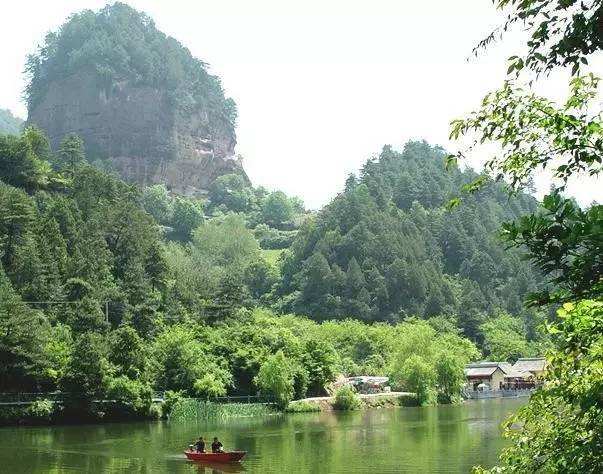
<point x="435" y="439"/>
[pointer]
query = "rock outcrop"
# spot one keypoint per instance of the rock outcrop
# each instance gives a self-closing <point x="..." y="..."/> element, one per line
<point x="140" y="131"/>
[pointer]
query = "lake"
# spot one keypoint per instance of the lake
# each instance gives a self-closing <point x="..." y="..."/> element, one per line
<point x="392" y="440"/>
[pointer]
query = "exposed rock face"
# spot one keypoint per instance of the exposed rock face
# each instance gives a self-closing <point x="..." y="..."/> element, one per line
<point x="140" y="131"/>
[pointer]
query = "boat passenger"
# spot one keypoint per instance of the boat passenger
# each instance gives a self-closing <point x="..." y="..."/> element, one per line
<point x="216" y="446"/>
<point x="200" y="445"/>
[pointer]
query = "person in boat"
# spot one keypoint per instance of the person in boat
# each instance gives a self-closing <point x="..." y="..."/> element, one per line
<point x="217" y="447"/>
<point x="200" y="445"/>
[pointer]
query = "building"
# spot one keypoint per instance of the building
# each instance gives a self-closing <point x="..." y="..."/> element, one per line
<point x="518" y="380"/>
<point x="494" y="379"/>
<point x="485" y="376"/>
<point x="533" y="365"/>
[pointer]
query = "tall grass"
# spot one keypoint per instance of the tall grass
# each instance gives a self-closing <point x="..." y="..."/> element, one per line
<point x="192" y="409"/>
<point x="302" y="407"/>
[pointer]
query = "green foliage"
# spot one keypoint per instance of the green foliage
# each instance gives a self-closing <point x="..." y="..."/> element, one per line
<point x="129" y="398"/>
<point x="231" y="191"/>
<point x="504" y="339"/>
<point x="416" y="375"/>
<point x="209" y="386"/>
<point x="86" y="375"/>
<point x="187" y="215"/>
<point x="565" y="242"/>
<point x="346" y="398"/>
<point x="128" y="353"/>
<point x="71" y="153"/>
<point x="190" y="409"/>
<point x="181" y="360"/>
<point x="385" y="248"/>
<point x="227" y="244"/>
<point x="41" y="410"/>
<point x="560" y="429"/>
<point x="277" y="209"/>
<point x="302" y="407"/>
<point x="23" y="160"/>
<point x="533" y="131"/>
<point x="57" y="352"/>
<point x="562" y="33"/>
<point x="9" y="124"/>
<point x="171" y="398"/>
<point x="450" y="376"/>
<point x="157" y="202"/>
<point x="23" y="333"/>
<point x="320" y="361"/>
<point x="275" y="378"/>
<point x="437" y="369"/>
<point x="118" y="43"/>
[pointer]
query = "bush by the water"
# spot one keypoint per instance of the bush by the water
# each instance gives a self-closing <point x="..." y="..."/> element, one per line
<point x="39" y="412"/>
<point x="302" y="407"/>
<point x="187" y="409"/>
<point x="346" y="398"/>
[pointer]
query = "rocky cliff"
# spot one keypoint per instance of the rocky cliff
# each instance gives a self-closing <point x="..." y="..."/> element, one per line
<point x="137" y="98"/>
<point x="140" y="131"/>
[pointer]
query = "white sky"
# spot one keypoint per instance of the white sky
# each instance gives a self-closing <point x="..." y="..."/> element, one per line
<point x="320" y="85"/>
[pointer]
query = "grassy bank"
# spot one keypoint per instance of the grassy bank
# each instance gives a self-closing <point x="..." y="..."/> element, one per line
<point x="187" y="409"/>
<point x="358" y="403"/>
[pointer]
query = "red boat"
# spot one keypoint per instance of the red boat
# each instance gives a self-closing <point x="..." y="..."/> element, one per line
<point x="228" y="456"/>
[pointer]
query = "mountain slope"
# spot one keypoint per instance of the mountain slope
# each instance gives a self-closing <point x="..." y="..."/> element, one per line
<point x="385" y="248"/>
<point x="137" y="97"/>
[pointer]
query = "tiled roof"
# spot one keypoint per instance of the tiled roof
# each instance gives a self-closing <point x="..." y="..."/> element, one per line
<point x="484" y="369"/>
<point x="530" y="364"/>
<point x="518" y="374"/>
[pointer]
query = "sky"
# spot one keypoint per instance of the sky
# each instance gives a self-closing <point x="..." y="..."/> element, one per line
<point x="321" y="85"/>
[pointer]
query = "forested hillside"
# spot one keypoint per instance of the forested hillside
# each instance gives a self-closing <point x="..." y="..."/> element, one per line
<point x="110" y="291"/>
<point x="386" y="248"/>
<point x="9" y="124"/>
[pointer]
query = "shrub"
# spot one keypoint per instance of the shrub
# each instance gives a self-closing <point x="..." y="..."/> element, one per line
<point x="12" y="415"/>
<point x="302" y="407"/>
<point x="346" y="398"/>
<point x="129" y="397"/>
<point x="156" y="411"/>
<point x="418" y="376"/>
<point x="209" y="386"/>
<point x="170" y="400"/>
<point x="275" y="378"/>
<point x="40" y="410"/>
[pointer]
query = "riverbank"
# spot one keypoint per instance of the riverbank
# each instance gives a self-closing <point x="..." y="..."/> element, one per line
<point x="44" y="412"/>
<point x="373" y="400"/>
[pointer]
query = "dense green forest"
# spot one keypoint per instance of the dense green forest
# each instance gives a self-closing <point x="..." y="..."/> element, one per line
<point x="112" y="290"/>
<point x="9" y="124"/>
<point x="109" y="289"/>
<point x="387" y="247"/>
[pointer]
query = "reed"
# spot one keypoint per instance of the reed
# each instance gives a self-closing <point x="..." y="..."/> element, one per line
<point x="193" y="409"/>
<point x="302" y="407"/>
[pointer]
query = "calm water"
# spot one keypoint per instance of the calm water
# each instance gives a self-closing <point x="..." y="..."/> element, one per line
<point x="413" y="440"/>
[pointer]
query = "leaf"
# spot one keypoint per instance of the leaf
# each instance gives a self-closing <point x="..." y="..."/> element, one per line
<point x="451" y="162"/>
<point x="454" y="202"/>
